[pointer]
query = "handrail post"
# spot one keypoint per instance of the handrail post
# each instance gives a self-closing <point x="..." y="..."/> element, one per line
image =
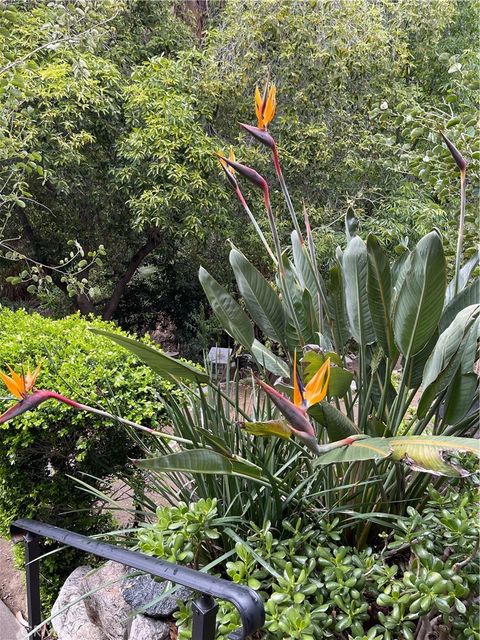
<point x="32" y="568"/>
<point x="204" y="618"/>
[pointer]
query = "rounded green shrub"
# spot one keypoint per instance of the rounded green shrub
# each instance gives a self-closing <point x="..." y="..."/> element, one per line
<point x="44" y="450"/>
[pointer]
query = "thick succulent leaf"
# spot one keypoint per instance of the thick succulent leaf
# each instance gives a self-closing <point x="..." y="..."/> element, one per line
<point x="464" y="276"/>
<point x="419" y="303"/>
<point x="355" y="276"/>
<point x="379" y="290"/>
<point x="338" y="310"/>
<point x="277" y="428"/>
<point x="230" y="314"/>
<point x="433" y="454"/>
<point x="468" y="296"/>
<point x="261" y="300"/>
<point x="337" y="424"/>
<point x="204" y="461"/>
<point x="361" y="449"/>
<point x="163" y="365"/>
<point x="269" y="360"/>
<point x="461" y="396"/>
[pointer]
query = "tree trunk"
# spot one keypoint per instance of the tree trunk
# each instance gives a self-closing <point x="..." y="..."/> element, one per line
<point x="135" y="261"/>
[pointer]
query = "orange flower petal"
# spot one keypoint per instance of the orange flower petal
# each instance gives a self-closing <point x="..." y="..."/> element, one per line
<point x="11" y="385"/>
<point x="317" y="388"/>
<point x="297" y="394"/>
<point x="270" y="107"/>
<point x="258" y="106"/>
<point x="31" y="378"/>
<point x="18" y="379"/>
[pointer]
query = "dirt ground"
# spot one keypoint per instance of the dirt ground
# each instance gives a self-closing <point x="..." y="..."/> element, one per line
<point x="12" y="583"/>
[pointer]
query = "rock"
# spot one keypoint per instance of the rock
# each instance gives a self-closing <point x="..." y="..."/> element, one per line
<point x="106" y="607"/>
<point x="144" y="628"/>
<point x="74" y="622"/>
<point x="138" y="591"/>
<point x="104" y="615"/>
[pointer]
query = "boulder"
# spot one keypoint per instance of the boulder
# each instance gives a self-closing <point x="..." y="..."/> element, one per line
<point x="139" y="591"/>
<point x="74" y="622"/>
<point x="144" y="628"/>
<point x="106" y="607"/>
<point x="103" y="615"/>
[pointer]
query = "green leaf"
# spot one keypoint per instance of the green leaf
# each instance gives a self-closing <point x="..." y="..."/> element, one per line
<point x="163" y="365"/>
<point x="355" y="275"/>
<point x="449" y="343"/>
<point x="456" y="347"/>
<point x="361" y="449"/>
<point x="461" y="395"/>
<point x="204" y="461"/>
<point x="261" y="300"/>
<point x="468" y="296"/>
<point x="230" y="314"/>
<point x="303" y="269"/>
<point x="379" y="290"/>
<point x="340" y="378"/>
<point x="338" y="426"/>
<point x="464" y="276"/>
<point x="338" y="308"/>
<point x="419" y="302"/>
<point x="278" y="428"/>
<point x="269" y="360"/>
<point x="431" y="453"/>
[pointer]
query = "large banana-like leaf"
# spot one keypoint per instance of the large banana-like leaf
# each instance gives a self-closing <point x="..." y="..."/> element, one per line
<point x="361" y="449"/>
<point x="269" y="360"/>
<point x="419" y="302"/>
<point x="416" y="365"/>
<point x="338" y="310"/>
<point x="449" y="342"/>
<point x="204" y="461"/>
<point x="230" y="314"/>
<point x="355" y="274"/>
<point x="439" y="455"/>
<point x="164" y="365"/>
<point x="304" y="326"/>
<point x="468" y="296"/>
<point x="261" y="300"/>
<point x="379" y="290"/>
<point x="464" y="276"/>
<point x="461" y="396"/>
<point x="304" y="271"/>
<point x="434" y="454"/>
<point x="337" y="424"/>
<point x="456" y="347"/>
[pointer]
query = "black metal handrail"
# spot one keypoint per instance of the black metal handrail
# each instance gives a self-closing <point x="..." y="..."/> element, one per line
<point x="246" y="600"/>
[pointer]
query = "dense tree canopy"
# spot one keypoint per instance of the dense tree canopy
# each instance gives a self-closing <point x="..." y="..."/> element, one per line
<point x="110" y="113"/>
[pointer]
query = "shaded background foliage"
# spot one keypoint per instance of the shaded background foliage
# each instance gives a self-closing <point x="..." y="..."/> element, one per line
<point x="110" y="113"/>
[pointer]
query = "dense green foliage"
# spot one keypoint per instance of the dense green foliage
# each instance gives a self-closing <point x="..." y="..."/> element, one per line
<point x="110" y="111"/>
<point x="315" y="588"/>
<point x="43" y="452"/>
